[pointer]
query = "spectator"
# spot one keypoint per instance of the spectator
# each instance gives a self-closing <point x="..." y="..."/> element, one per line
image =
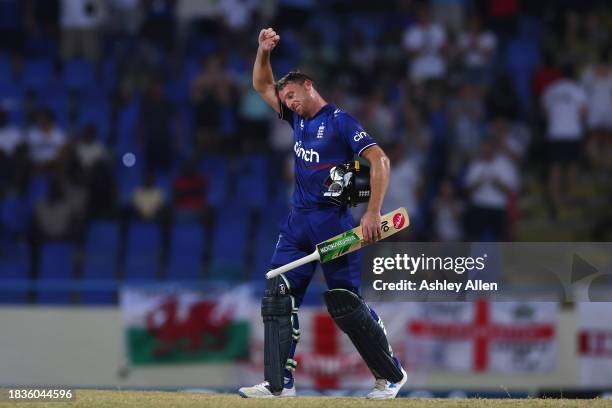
<point x="290" y="13"/>
<point x="503" y="17"/>
<point x="14" y="174"/>
<point x="190" y="191"/>
<point x="42" y="19"/>
<point x="148" y="199"/>
<point x="513" y="139"/>
<point x="81" y="21"/>
<point x="490" y="179"/>
<point x="279" y="139"/>
<point x="582" y="37"/>
<point x="76" y="194"/>
<point x="467" y="114"/>
<point x="10" y="136"/>
<point x="160" y="22"/>
<point x="377" y="118"/>
<point x="476" y="49"/>
<point x="565" y="104"/>
<point x="89" y="150"/>
<point x="425" y="42"/>
<point x="418" y="136"/>
<point x="125" y="16"/>
<point x="254" y="118"/>
<point x="341" y="96"/>
<point x="362" y="55"/>
<point x="196" y="17"/>
<point x="14" y="157"/>
<point x="437" y="164"/>
<point x="15" y="214"/>
<point x="502" y="100"/>
<point x="447" y="210"/>
<point x="45" y="139"/>
<point x="449" y="13"/>
<point x="101" y="191"/>
<point x="54" y="215"/>
<point x="404" y="182"/>
<point x="236" y="14"/>
<point x="212" y="91"/>
<point x="156" y="121"/>
<point x="546" y="73"/>
<point x="12" y="29"/>
<point x="597" y="82"/>
<point x="596" y="28"/>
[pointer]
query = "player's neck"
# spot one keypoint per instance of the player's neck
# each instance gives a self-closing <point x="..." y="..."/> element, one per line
<point x="318" y="104"/>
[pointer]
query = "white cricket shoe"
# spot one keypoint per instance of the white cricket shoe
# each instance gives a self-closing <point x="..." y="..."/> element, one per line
<point x="262" y="390"/>
<point x="383" y="389"/>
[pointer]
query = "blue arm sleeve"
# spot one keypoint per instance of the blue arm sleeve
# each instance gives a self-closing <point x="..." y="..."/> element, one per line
<point x="353" y="133"/>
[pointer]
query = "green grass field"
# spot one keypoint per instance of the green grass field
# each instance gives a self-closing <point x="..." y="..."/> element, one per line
<point x="146" y="399"/>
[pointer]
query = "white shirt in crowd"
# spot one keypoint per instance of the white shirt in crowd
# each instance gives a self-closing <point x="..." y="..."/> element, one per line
<point x="599" y="92"/>
<point x="446" y="223"/>
<point x="477" y="49"/>
<point x="516" y="140"/>
<point x="90" y="153"/>
<point x="10" y="138"/>
<point x="427" y="41"/>
<point x="403" y="183"/>
<point x="564" y="102"/>
<point x="237" y="13"/>
<point x="489" y="195"/>
<point x="81" y="13"/>
<point x="45" y="147"/>
<point x="148" y="200"/>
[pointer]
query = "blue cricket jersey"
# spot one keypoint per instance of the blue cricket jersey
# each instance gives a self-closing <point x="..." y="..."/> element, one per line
<point x="329" y="138"/>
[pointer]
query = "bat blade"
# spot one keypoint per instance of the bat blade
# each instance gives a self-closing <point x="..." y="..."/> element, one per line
<point x="352" y="240"/>
<point x="347" y="242"/>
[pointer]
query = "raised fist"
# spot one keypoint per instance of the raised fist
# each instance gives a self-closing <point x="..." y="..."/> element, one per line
<point x="268" y="39"/>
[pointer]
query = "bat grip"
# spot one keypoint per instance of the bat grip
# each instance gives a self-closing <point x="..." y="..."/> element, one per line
<point x="292" y="265"/>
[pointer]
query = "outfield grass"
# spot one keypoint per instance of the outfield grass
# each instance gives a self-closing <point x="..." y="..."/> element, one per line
<point x="146" y="399"/>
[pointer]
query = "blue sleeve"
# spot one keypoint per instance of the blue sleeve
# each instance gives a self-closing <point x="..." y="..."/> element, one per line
<point x="352" y="132"/>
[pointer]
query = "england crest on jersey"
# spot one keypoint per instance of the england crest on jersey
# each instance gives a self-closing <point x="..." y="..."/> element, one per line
<point x="321" y="131"/>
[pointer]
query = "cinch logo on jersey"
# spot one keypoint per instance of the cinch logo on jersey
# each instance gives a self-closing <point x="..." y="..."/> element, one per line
<point x="359" y="135"/>
<point x="306" y="155"/>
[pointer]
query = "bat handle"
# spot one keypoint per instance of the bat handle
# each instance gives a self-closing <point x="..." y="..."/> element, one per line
<point x="291" y="265"/>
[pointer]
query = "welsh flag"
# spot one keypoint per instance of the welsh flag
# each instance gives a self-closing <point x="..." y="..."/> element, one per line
<point x="164" y="326"/>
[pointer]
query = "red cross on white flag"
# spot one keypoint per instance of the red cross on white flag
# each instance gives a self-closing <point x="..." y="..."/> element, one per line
<point x="482" y="336"/>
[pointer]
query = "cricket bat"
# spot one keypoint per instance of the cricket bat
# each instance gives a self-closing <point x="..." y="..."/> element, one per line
<point x="347" y="242"/>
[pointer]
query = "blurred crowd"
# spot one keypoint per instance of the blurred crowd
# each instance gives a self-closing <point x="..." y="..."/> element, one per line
<point x="112" y="109"/>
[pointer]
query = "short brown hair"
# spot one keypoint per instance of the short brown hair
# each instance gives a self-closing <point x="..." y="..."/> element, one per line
<point x="296" y="76"/>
